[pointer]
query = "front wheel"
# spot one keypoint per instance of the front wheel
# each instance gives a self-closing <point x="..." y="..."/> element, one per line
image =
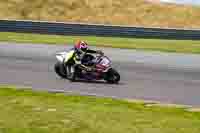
<point x="112" y="76"/>
<point x="60" y="70"/>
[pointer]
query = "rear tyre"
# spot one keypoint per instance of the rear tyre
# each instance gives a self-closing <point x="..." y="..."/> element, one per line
<point x="60" y="70"/>
<point x="112" y="76"/>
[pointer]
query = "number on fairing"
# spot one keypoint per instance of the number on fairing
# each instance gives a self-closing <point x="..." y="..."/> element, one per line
<point x="105" y="61"/>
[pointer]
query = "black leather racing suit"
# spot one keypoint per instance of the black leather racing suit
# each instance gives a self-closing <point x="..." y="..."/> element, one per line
<point x="77" y="56"/>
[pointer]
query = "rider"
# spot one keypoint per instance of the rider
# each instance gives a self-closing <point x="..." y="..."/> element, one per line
<point x="79" y="50"/>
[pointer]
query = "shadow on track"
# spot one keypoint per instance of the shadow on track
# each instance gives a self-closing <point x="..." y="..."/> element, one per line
<point x="92" y="82"/>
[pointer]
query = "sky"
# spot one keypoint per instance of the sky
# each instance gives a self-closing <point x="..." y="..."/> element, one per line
<point x="194" y="2"/>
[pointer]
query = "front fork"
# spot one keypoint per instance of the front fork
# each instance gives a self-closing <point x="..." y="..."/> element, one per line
<point x="69" y="66"/>
<point x="70" y="69"/>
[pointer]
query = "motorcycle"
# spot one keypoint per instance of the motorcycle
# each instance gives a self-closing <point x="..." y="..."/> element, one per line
<point x="101" y="65"/>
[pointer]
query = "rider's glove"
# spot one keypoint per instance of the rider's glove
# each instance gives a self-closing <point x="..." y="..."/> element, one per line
<point x="100" y="52"/>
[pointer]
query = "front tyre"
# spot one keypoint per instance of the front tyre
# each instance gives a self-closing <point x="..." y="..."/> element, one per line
<point x="60" y="70"/>
<point x="112" y="76"/>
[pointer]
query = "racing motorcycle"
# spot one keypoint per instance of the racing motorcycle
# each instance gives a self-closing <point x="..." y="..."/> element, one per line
<point x="101" y="65"/>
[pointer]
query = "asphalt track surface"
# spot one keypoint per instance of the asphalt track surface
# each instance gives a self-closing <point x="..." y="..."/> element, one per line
<point x="166" y="77"/>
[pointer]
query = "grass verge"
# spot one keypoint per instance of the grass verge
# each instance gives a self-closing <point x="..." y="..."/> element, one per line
<point x="25" y="111"/>
<point x="180" y="46"/>
<point x="120" y="12"/>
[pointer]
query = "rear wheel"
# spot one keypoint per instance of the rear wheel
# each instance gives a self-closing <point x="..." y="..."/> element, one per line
<point x="60" y="70"/>
<point x="112" y="76"/>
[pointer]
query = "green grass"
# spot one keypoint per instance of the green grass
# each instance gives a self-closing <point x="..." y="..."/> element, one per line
<point x="24" y="111"/>
<point x="180" y="46"/>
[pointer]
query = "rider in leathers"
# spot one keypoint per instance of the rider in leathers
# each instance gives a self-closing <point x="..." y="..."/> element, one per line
<point x="79" y="50"/>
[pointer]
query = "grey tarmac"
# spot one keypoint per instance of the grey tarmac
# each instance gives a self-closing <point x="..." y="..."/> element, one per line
<point x="165" y="77"/>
